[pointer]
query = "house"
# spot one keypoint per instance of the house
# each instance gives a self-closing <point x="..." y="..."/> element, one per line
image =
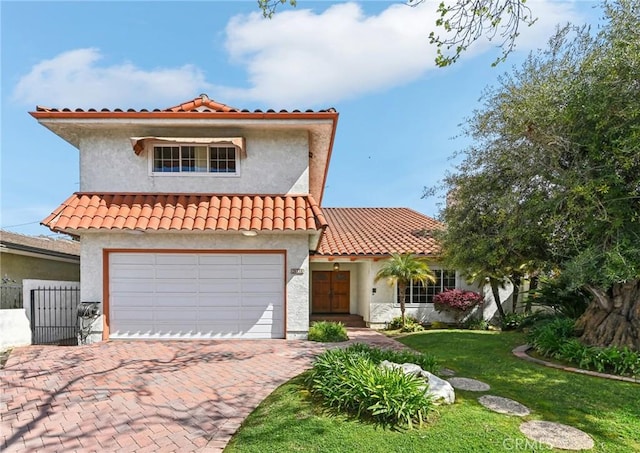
<point x="38" y="257"/>
<point x="205" y="221"/>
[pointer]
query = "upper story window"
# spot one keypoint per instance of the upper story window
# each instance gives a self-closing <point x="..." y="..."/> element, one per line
<point x="195" y="159"/>
<point x="417" y="293"/>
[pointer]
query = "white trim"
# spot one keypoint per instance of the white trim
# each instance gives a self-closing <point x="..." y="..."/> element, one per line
<point x="396" y="301"/>
<point x="149" y="149"/>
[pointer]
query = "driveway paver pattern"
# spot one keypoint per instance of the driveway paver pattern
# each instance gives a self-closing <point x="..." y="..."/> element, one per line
<point x="145" y="396"/>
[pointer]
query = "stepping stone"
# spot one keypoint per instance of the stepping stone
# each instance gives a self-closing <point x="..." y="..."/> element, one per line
<point x="463" y="383"/>
<point x="504" y="405"/>
<point x="557" y="435"/>
<point x="446" y="372"/>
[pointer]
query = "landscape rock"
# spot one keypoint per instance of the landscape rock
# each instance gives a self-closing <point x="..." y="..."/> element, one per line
<point x="472" y="385"/>
<point x="439" y="389"/>
<point x="504" y="405"/>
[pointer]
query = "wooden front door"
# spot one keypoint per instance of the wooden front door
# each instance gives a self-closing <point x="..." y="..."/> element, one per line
<point x="330" y="292"/>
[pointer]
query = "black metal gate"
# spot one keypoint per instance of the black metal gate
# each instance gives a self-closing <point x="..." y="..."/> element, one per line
<point x="54" y="315"/>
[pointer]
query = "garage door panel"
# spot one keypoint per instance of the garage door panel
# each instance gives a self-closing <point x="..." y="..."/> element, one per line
<point x="220" y="259"/>
<point x="176" y="272"/>
<point x="182" y="259"/>
<point x="132" y="271"/>
<point x="133" y="314"/>
<point x="212" y="271"/>
<point x="219" y="286"/>
<point x="181" y="286"/>
<point x="262" y="272"/>
<point x="145" y="286"/>
<point x="266" y="258"/>
<point x="261" y="286"/>
<point x="229" y="314"/>
<point x="196" y="295"/>
<point x="132" y="258"/>
<point x="169" y="316"/>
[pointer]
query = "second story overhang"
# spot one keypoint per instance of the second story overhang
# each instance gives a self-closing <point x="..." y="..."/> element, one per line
<point x="200" y="117"/>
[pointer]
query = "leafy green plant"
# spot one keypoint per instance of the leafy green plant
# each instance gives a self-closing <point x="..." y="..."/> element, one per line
<point x="411" y="324"/>
<point x="349" y="380"/>
<point x="427" y="362"/>
<point x="476" y="324"/>
<point x="328" y="332"/>
<point x="555" y="339"/>
<point x="559" y="295"/>
<point x="513" y="321"/>
<point x="547" y="338"/>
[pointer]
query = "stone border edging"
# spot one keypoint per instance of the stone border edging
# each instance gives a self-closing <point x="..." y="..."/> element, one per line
<point x="521" y="353"/>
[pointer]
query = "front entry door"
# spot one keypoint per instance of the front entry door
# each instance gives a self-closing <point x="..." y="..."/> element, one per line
<point x="330" y="292"/>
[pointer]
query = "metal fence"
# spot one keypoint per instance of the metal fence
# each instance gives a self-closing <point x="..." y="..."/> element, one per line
<point x="54" y="315"/>
<point x="10" y="296"/>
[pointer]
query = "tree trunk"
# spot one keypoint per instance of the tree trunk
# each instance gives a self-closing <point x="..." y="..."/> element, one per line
<point x="613" y="317"/>
<point x="495" y="290"/>
<point x="403" y="290"/>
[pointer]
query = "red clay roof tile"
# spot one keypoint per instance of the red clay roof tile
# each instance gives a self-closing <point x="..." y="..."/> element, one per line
<point x="377" y="232"/>
<point x="113" y="211"/>
<point x="201" y="104"/>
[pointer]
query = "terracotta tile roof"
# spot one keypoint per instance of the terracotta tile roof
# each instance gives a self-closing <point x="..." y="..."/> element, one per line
<point x="37" y="244"/>
<point x="186" y="212"/>
<point x="377" y="232"/>
<point x="200" y="104"/>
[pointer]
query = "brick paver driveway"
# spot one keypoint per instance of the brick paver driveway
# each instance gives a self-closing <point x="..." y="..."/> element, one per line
<point x="144" y="395"/>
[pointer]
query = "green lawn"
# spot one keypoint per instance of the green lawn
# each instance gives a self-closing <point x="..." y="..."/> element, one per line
<point x="288" y="421"/>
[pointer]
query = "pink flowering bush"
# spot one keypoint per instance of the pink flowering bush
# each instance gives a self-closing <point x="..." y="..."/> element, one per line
<point x="456" y="301"/>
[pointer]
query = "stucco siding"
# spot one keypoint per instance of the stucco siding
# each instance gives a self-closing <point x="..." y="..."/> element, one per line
<point x="19" y="267"/>
<point x="295" y="245"/>
<point x="384" y="305"/>
<point x="277" y="162"/>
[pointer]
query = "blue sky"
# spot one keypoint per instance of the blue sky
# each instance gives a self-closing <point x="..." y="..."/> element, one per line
<point x="399" y="120"/>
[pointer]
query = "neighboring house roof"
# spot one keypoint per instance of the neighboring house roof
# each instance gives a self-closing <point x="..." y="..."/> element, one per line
<point x="186" y="212"/>
<point x="71" y="124"/>
<point x="34" y="245"/>
<point x="378" y="232"/>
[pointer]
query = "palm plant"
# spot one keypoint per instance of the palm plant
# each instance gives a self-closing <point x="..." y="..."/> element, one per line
<point x="401" y="269"/>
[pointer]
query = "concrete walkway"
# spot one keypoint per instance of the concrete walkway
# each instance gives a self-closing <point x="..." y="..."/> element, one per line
<point x="145" y="396"/>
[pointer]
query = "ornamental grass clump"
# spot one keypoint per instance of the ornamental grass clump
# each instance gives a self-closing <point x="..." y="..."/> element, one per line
<point x="457" y="302"/>
<point x="348" y="380"/>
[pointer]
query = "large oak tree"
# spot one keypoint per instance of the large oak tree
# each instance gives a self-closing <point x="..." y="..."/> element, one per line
<point x="553" y="177"/>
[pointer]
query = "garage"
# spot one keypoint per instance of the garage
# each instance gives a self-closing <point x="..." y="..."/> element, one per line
<point x="195" y="295"/>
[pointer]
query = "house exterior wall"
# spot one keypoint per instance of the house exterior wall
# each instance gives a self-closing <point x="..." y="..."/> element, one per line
<point x="18" y="267"/>
<point x="277" y="162"/>
<point x="295" y="245"/>
<point x="380" y="308"/>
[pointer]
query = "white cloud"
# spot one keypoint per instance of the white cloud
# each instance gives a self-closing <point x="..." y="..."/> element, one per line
<point x="300" y="57"/>
<point x="75" y="79"/>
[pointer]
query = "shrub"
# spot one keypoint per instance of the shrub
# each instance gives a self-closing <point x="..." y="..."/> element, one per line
<point x="457" y="301"/>
<point x="350" y="381"/>
<point x="604" y="360"/>
<point x="411" y="324"/>
<point x="327" y="332"/>
<point x="548" y="337"/>
<point x="554" y="338"/>
<point x="426" y="361"/>
<point x="439" y="325"/>
<point x="559" y="295"/>
<point x="513" y="321"/>
<point x="476" y="324"/>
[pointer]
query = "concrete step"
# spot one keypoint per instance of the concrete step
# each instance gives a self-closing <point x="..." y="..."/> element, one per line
<point x="346" y="319"/>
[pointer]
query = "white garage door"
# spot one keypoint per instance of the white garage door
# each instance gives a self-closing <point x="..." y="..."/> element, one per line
<point x="196" y="295"/>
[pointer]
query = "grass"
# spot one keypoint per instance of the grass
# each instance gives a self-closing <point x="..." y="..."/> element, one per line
<point x="290" y="421"/>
